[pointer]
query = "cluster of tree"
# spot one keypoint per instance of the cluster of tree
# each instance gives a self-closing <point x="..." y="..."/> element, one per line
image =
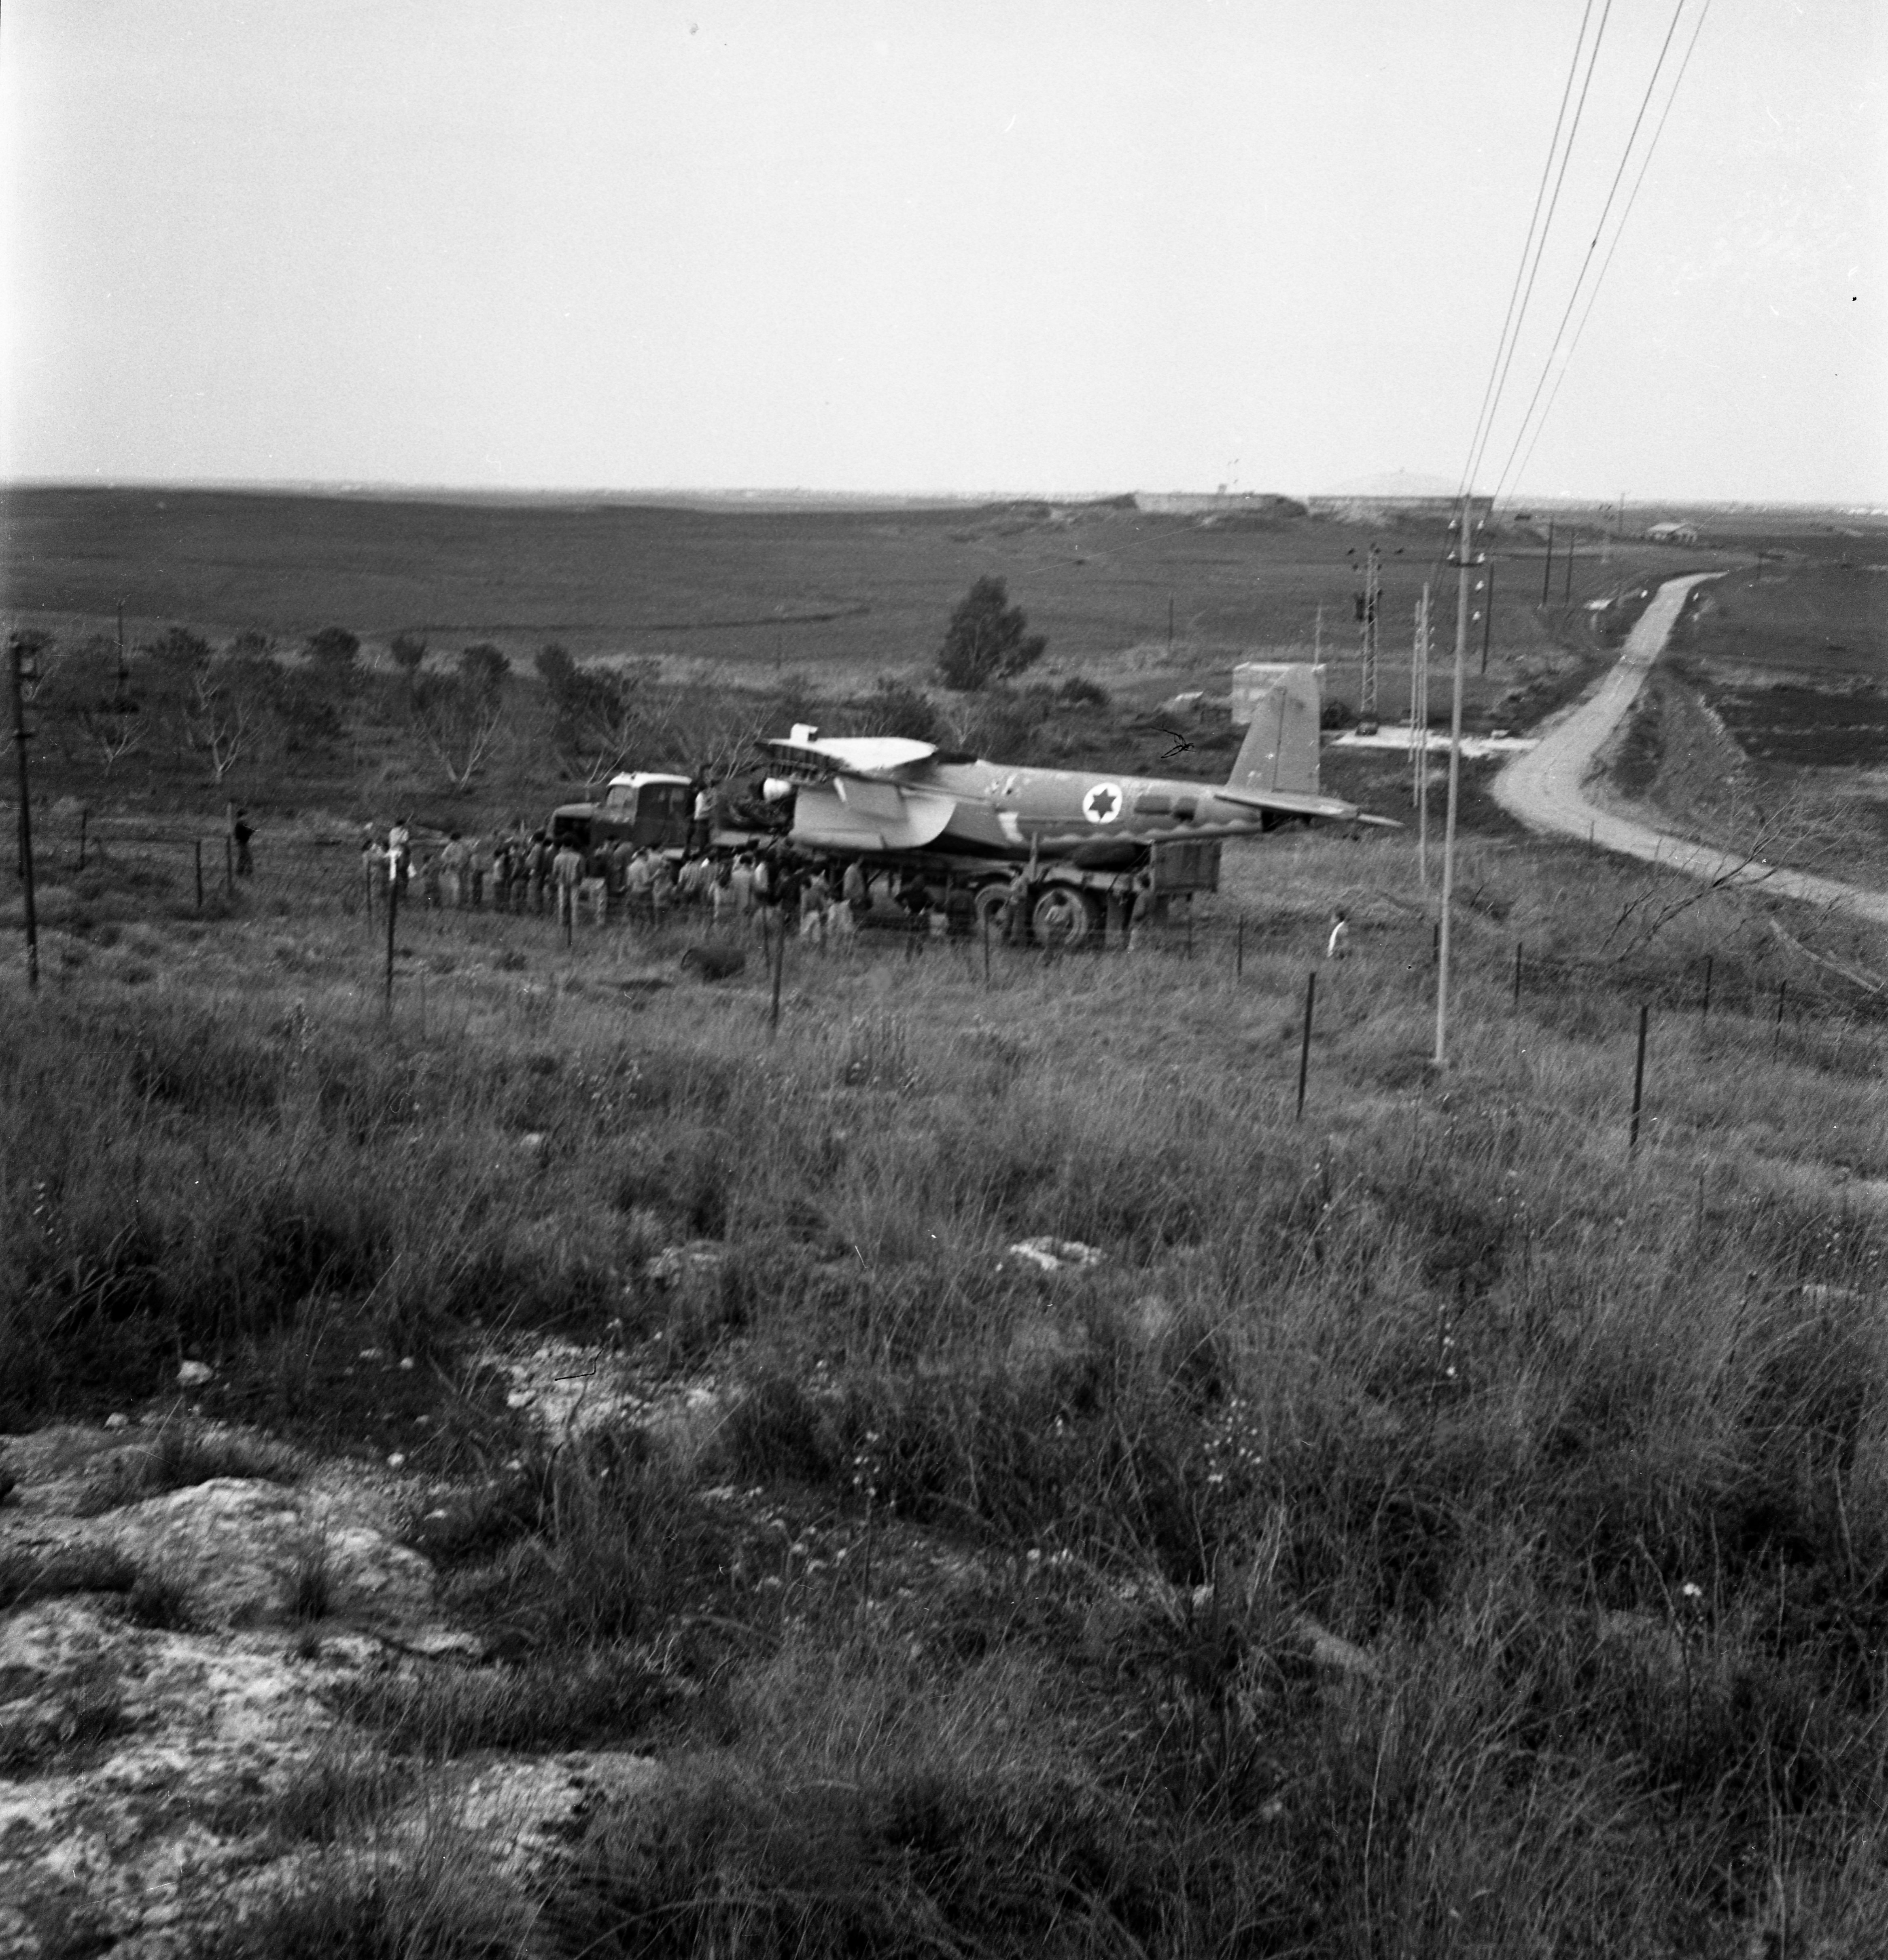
<point x="246" y="700"/>
<point x="220" y="704"/>
<point x="987" y="640"/>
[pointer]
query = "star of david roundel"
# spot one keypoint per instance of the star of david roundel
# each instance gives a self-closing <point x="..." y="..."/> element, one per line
<point x="1103" y="803"/>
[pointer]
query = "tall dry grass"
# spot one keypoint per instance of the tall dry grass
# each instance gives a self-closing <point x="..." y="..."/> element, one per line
<point x="1584" y="1451"/>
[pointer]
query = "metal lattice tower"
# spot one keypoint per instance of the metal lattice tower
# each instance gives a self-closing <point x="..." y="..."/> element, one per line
<point x="1367" y="677"/>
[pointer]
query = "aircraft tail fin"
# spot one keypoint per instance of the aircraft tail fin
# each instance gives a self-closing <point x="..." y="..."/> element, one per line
<point x="1281" y="749"/>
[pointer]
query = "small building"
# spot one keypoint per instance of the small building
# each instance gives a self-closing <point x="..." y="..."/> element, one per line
<point x="1673" y="534"/>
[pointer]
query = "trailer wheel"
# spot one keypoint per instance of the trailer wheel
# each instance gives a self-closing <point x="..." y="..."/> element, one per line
<point x="1064" y="918"/>
<point x="991" y="900"/>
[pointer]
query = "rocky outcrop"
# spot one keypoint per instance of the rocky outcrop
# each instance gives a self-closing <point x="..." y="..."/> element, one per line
<point x="170" y="1671"/>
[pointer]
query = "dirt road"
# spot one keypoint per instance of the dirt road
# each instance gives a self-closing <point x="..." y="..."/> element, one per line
<point x="1544" y="788"/>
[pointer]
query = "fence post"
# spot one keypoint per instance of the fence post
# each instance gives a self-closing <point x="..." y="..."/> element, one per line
<point x="1638" y="1083"/>
<point x="1304" y="1046"/>
<point x="779" y="952"/>
<point x="393" y="912"/>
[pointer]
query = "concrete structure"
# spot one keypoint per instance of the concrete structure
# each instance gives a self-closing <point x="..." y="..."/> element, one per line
<point x="1222" y="504"/>
<point x="1673" y="534"/>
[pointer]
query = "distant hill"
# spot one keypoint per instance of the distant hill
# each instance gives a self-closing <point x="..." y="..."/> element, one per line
<point x="1396" y="483"/>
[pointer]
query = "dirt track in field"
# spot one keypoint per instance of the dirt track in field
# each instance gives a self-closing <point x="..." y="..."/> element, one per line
<point x="1545" y="789"/>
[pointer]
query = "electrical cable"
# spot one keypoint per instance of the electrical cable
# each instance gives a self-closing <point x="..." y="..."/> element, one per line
<point x="1540" y="250"/>
<point x="1605" y="266"/>
<point x="1484" y="413"/>
<point x="1572" y="297"/>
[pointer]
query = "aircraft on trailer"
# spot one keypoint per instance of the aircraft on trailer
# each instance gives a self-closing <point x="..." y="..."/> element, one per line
<point x="873" y="794"/>
<point x="1097" y="843"/>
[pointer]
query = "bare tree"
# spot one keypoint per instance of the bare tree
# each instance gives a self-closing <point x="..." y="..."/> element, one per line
<point x="459" y="715"/>
<point x="220" y="718"/>
<point x="116" y="727"/>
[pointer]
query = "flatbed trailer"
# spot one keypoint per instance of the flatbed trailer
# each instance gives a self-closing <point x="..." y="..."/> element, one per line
<point x="1069" y="900"/>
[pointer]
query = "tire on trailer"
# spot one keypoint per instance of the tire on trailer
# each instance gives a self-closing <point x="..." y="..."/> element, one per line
<point x="990" y="901"/>
<point x="1064" y="918"/>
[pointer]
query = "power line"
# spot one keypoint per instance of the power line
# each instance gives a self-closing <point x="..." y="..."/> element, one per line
<point x="1624" y="216"/>
<point x="1533" y="217"/>
<point x="1572" y="297"/>
<point x="1484" y="432"/>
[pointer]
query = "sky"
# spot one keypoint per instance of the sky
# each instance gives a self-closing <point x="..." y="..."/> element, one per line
<point x="1050" y="246"/>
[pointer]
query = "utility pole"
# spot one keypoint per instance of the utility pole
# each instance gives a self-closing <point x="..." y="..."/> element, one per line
<point x="1317" y="637"/>
<point x="1568" y="596"/>
<point x="1420" y="788"/>
<point x="18" y="658"/>
<point x="1367" y="677"/>
<point x="1488" y="615"/>
<point x="1547" y="570"/>
<point x="1464" y="560"/>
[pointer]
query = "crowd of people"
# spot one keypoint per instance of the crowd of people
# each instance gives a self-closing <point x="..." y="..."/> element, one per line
<point x="617" y="881"/>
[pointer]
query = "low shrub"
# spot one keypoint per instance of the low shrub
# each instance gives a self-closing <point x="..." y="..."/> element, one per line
<point x="605" y="1694"/>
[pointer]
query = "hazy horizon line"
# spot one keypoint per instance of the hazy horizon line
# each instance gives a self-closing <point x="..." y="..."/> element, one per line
<point x="393" y="490"/>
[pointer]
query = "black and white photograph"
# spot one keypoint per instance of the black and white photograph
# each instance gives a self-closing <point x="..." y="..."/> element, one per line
<point x="943" y="995"/>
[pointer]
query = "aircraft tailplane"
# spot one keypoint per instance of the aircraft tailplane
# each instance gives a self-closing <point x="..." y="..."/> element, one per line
<point x="1281" y="749"/>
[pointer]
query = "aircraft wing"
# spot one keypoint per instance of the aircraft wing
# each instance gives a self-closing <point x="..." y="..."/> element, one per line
<point x="856" y="813"/>
<point x="875" y="758"/>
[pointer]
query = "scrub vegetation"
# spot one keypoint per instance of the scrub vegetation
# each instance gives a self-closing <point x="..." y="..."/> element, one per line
<point x="1426" y="1527"/>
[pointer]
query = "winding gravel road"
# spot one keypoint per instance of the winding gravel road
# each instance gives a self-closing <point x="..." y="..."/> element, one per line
<point x="1544" y="788"/>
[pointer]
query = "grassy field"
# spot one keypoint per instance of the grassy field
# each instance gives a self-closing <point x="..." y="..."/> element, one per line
<point x="1427" y="1528"/>
<point x="1429" y="1525"/>
<point x="840" y="595"/>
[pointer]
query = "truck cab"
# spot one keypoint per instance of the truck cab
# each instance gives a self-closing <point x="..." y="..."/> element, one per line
<point x="648" y="810"/>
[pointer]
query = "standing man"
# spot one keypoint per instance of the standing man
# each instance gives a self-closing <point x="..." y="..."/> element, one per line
<point x="702" y="821"/>
<point x="616" y="876"/>
<point x="537" y="864"/>
<point x="595" y="890"/>
<point x="1016" y="907"/>
<point x="242" y="831"/>
<point x="452" y="866"/>
<point x="500" y="874"/>
<point x="567" y="872"/>
<point x="400" y="845"/>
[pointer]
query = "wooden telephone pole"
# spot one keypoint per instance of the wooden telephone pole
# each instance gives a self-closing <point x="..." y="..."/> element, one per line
<point x="1367" y="677"/>
<point x="18" y="658"/>
<point x="1464" y="561"/>
<point x="1419" y="734"/>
